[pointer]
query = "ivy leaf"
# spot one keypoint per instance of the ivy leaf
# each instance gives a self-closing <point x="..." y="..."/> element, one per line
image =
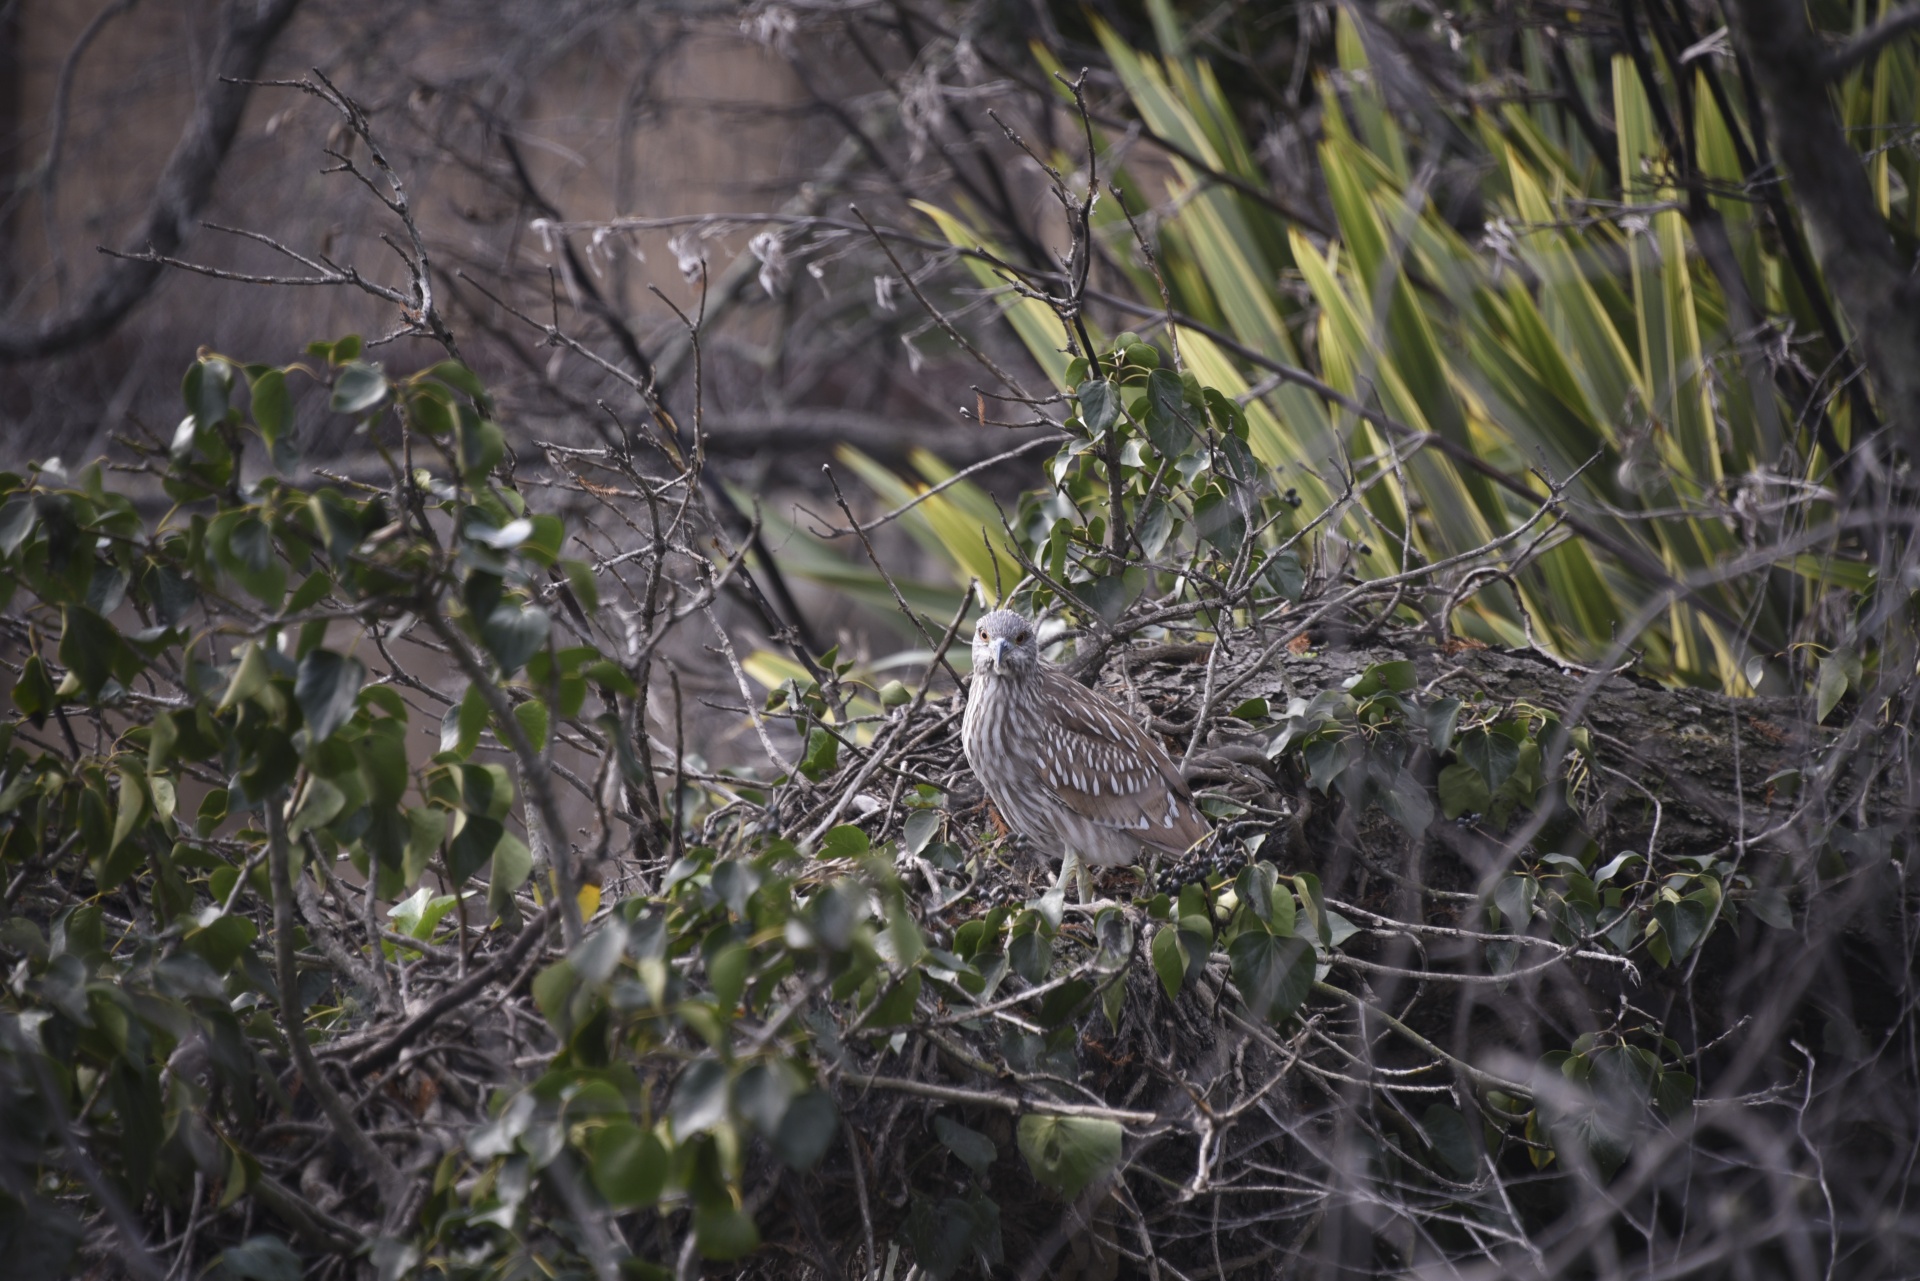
<point x="1683" y="923"/>
<point x="1167" y="426"/>
<point x="1254" y="887"/>
<point x="1406" y="800"/>
<point x="1463" y="791"/>
<point x="974" y="1149"/>
<point x="1441" y="717"/>
<point x="1066" y="1153"/>
<point x="1273" y="974"/>
<point x="326" y="687"/>
<point x="1169" y="962"/>
<point x="1494" y="755"/>
<point x="1515" y="896"/>
<point x="1099" y="405"/>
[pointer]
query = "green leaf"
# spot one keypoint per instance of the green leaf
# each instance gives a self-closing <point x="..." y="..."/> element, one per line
<point x="1169" y="962"/>
<point x="473" y="847"/>
<point x="1771" y="906"/>
<point x="512" y="865"/>
<point x="89" y="646"/>
<point x="762" y="1093"/>
<point x="263" y="1258"/>
<point x="33" y="693"/>
<point x="1515" y="897"/>
<point x="1273" y="974"/>
<point x="478" y="447"/>
<point x="727" y="972"/>
<point x="513" y="634"/>
<point x="322" y="805"/>
<point x="974" y="1149"/>
<point x="40" y="1239"/>
<point x="1441" y="717"/>
<point x="807" y="1129"/>
<point x="1494" y="755"/>
<point x="724" y="1231"/>
<point x="1067" y="1153"/>
<point x="1254" y="887"/>
<point x="426" y="829"/>
<point x="16" y="522"/>
<point x="895" y="1009"/>
<point x="844" y="841"/>
<point x="532" y="717"/>
<point x="1830" y="684"/>
<point x="1683" y="924"/>
<point x="1167" y="425"/>
<point x="220" y="939"/>
<point x="1099" y="405"/>
<point x="921" y="827"/>
<point x="553" y="990"/>
<point x="1218" y="519"/>
<point x="822" y="755"/>
<point x="1452" y="1142"/>
<point x="207" y="386"/>
<point x="272" y="410"/>
<point x="699" y="1098"/>
<point x="132" y="805"/>
<point x="1674" y="1092"/>
<point x="1406" y="800"/>
<point x="628" y="1165"/>
<point x="327" y="687"/>
<point x="456" y="375"/>
<point x="1397" y="677"/>
<point x="585" y="587"/>
<point x="358" y="388"/>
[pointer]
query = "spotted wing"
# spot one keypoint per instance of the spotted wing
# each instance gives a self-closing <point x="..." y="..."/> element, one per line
<point x="1108" y="770"/>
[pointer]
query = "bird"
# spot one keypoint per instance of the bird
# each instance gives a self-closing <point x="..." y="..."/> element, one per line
<point x="1066" y="766"/>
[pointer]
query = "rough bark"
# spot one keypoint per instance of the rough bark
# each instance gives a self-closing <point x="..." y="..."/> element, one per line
<point x="1877" y="291"/>
<point x="248" y="29"/>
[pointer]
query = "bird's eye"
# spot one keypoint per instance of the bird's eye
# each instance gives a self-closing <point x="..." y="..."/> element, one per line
<point x="1019" y="638"/>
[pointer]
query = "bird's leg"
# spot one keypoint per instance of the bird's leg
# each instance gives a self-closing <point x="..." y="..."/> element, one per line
<point x="1069" y="864"/>
<point x="1083" y="878"/>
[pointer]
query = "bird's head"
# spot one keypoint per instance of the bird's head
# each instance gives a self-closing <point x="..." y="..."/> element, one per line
<point x="1004" y="644"/>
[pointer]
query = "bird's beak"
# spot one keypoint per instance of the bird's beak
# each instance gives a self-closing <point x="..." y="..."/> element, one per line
<point x="994" y="651"/>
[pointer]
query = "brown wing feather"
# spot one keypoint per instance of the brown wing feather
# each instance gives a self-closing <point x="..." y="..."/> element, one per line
<point x="1108" y="770"/>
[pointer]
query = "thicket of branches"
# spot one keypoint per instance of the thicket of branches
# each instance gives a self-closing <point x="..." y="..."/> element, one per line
<point x="1479" y="447"/>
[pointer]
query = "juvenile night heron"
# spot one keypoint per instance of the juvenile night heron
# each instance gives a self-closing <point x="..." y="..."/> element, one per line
<point x="1065" y="766"/>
